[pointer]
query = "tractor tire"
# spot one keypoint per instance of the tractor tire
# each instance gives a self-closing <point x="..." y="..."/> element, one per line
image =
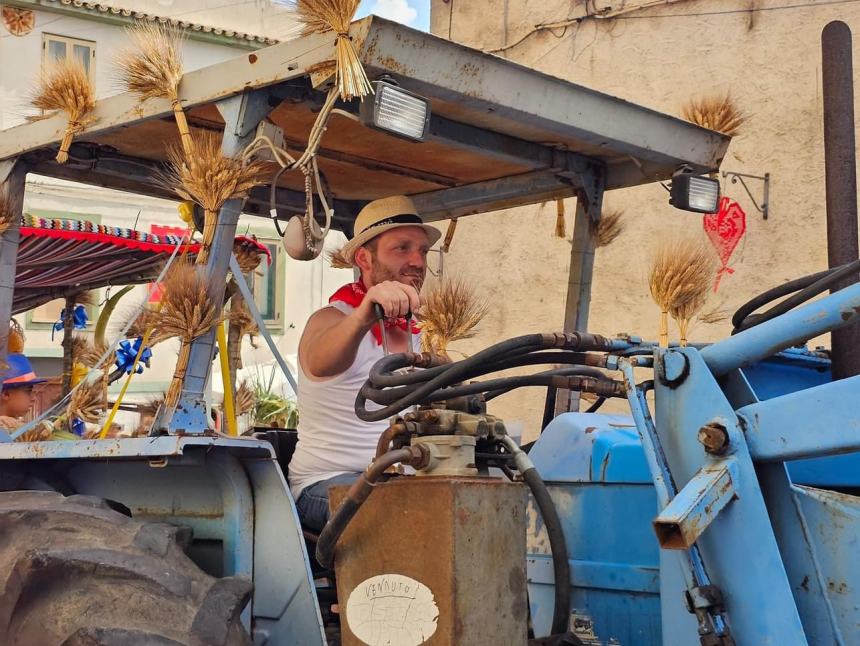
<point x="74" y="572"/>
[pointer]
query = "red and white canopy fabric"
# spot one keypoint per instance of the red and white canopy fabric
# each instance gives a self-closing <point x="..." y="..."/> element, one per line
<point x="54" y="255"/>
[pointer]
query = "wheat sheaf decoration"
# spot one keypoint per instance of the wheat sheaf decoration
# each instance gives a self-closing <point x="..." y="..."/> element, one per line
<point x="87" y="403"/>
<point x="87" y="353"/>
<point x="608" y="228"/>
<point x="716" y="112"/>
<point x="246" y="398"/>
<point x="210" y="178"/>
<point x="319" y="16"/>
<point x="450" y="312"/>
<point x="337" y="260"/>
<point x="186" y="313"/>
<point x="151" y="67"/>
<point x="64" y="86"/>
<point x="7" y="215"/>
<point x="680" y="278"/>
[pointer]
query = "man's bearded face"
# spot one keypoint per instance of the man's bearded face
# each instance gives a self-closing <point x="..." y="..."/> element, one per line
<point x="400" y="255"/>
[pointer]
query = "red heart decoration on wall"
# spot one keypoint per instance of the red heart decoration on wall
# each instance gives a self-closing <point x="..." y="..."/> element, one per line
<point x="725" y="228"/>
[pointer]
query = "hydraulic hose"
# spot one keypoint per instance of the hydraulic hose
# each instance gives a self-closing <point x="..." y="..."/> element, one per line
<point x="805" y="287"/>
<point x="416" y="456"/>
<point x="558" y="547"/>
<point x="456" y="372"/>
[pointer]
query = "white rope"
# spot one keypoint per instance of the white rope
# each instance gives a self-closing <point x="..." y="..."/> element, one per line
<point x="307" y="162"/>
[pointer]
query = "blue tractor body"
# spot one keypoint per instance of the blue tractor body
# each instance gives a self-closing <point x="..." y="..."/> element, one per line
<point x="625" y="589"/>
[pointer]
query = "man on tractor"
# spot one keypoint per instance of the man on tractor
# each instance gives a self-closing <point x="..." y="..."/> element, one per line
<point x="342" y="342"/>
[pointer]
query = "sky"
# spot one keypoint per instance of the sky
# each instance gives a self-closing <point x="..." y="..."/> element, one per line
<point x="415" y="13"/>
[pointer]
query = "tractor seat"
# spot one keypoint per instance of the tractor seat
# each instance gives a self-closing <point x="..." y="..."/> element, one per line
<point x="284" y="442"/>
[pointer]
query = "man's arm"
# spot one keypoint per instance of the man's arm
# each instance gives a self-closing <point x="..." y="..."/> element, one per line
<point x="331" y="338"/>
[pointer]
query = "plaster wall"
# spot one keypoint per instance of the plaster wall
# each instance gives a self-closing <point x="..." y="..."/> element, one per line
<point x="770" y="60"/>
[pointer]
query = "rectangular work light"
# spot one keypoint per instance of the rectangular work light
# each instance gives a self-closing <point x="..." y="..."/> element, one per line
<point x="695" y="193"/>
<point x="396" y="110"/>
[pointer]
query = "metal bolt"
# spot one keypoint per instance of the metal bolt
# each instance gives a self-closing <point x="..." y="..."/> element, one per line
<point x="714" y="437"/>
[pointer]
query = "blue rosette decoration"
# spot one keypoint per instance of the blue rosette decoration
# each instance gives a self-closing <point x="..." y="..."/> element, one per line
<point x="79" y="319"/>
<point x="78" y="427"/>
<point x="126" y="353"/>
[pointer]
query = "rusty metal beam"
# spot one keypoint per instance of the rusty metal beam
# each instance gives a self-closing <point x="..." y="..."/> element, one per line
<point x="14" y="185"/>
<point x="840" y="178"/>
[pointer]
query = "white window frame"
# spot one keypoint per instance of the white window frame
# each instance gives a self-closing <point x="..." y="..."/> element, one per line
<point x="70" y="43"/>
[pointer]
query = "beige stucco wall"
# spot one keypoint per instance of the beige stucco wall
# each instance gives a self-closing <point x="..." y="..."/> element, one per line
<point x="770" y="61"/>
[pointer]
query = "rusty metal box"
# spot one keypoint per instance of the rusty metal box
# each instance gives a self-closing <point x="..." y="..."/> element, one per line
<point x="434" y="560"/>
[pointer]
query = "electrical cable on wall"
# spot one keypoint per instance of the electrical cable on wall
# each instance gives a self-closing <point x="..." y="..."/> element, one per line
<point x="621" y="14"/>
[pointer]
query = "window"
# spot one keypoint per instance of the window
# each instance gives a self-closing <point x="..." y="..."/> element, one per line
<point x="267" y="294"/>
<point x="57" y="48"/>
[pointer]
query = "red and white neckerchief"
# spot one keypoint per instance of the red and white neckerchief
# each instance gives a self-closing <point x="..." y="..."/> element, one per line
<point x="353" y="294"/>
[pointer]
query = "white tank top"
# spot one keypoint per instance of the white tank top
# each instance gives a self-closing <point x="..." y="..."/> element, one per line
<point x="332" y="440"/>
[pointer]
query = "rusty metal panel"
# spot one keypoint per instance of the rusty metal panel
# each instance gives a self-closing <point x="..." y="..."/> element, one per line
<point x="830" y="527"/>
<point x="463" y="539"/>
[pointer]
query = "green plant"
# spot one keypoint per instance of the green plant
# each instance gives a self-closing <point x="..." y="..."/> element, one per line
<point x="271" y="408"/>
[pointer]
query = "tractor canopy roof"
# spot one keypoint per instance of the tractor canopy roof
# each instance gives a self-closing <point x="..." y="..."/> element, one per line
<point x="499" y="135"/>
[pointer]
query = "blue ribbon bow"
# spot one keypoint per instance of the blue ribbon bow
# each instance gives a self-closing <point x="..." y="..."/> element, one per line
<point x="78" y="426"/>
<point x="126" y="353"/>
<point x="79" y="319"/>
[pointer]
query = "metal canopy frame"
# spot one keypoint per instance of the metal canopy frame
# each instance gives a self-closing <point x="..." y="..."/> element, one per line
<point x="527" y="137"/>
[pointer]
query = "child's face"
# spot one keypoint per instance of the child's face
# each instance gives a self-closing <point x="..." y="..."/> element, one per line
<point x="15" y="402"/>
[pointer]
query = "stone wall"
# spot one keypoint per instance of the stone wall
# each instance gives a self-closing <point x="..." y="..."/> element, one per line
<point x="660" y="57"/>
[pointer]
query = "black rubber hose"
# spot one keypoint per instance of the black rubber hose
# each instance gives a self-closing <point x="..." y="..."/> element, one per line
<point x="806" y="287"/>
<point x="355" y="497"/>
<point x="382" y="374"/>
<point x="391" y="395"/>
<point x="581" y="371"/>
<point x="555" y="533"/>
<point x="549" y="407"/>
<point x="600" y="385"/>
<point x="455" y="371"/>
<point x="596" y="405"/>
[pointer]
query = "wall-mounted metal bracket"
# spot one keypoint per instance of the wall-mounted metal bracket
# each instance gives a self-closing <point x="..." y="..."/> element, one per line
<point x="762" y="208"/>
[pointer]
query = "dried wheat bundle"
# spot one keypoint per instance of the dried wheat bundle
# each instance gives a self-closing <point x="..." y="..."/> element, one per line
<point x="7" y="216"/>
<point x="680" y="277"/>
<point x="560" y="229"/>
<point x="337" y="260"/>
<point x="608" y="228"/>
<point x="151" y="67"/>
<point x="240" y="317"/>
<point x="145" y="319"/>
<point x="15" y="342"/>
<point x="186" y="313"/>
<point x="450" y="312"/>
<point x="87" y="353"/>
<point x="716" y="314"/>
<point x="319" y="16"/>
<point x="42" y="432"/>
<point x="716" y="112"/>
<point x="247" y="257"/>
<point x="65" y="86"/>
<point x="245" y="398"/>
<point x="210" y="178"/>
<point x="87" y="403"/>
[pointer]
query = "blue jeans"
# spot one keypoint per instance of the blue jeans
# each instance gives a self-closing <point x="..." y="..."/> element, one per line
<point x="312" y="504"/>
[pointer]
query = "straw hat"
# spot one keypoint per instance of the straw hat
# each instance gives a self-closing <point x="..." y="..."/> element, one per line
<point x="382" y="215"/>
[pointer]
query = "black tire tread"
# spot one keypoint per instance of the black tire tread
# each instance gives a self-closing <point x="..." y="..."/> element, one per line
<point x="75" y="572"/>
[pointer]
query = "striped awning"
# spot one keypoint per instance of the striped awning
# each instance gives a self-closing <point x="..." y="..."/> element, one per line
<point x="56" y="255"/>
